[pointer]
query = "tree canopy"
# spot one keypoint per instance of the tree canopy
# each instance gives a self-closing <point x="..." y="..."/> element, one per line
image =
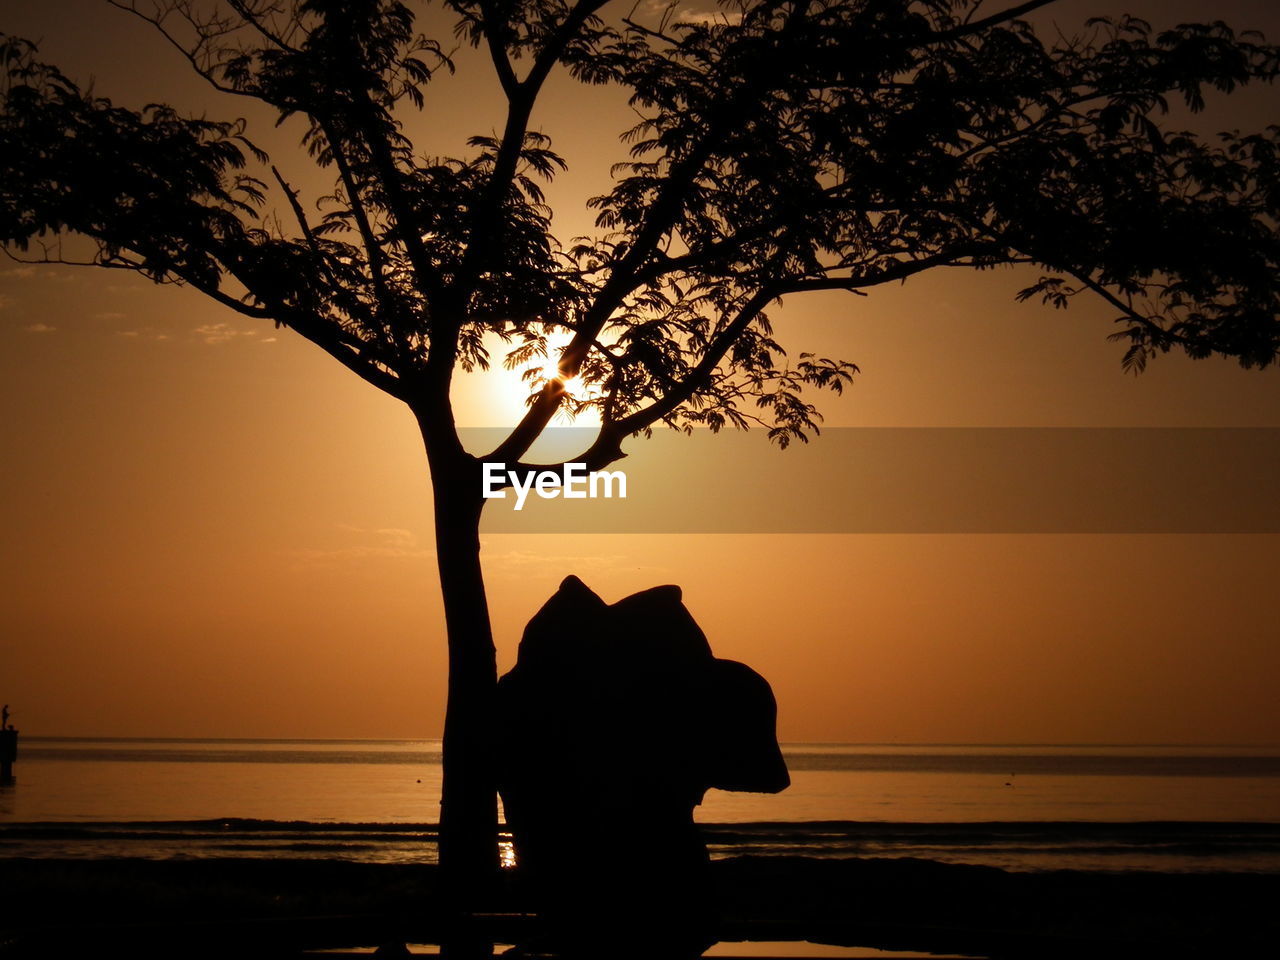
<point x="780" y="147"/>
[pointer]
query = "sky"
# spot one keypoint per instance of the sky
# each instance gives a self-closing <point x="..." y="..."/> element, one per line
<point x="211" y="529"/>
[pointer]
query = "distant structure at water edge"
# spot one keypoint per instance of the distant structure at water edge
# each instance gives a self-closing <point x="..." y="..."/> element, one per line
<point x="8" y="747"/>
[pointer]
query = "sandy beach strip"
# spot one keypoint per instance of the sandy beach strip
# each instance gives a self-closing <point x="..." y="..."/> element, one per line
<point x="213" y="906"/>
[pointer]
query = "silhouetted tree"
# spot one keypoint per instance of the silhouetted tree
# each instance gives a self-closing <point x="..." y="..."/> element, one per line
<point x="782" y="147"/>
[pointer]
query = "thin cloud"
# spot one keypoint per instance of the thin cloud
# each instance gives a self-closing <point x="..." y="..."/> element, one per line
<point x="216" y="333"/>
<point x="367" y="552"/>
<point x="696" y="12"/>
<point x="145" y="333"/>
<point x="388" y="536"/>
<point x="385" y="543"/>
<point x="39" y="328"/>
<point x="394" y="536"/>
<point x="520" y="559"/>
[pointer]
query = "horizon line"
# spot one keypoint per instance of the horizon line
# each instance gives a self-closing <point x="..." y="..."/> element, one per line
<point x="100" y="738"/>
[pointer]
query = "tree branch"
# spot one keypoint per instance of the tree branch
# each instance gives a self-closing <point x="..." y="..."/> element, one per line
<point x="1128" y="311"/>
<point x="202" y="69"/>
<point x="520" y="109"/>
<point x="298" y="213"/>
<point x="350" y="356"/>
<point x="900" y="270"/>
<point x="701" y="374"/>
<point x="253" y="20"/>
<point x="976" y="26"/>
<point x="373" y="251"/>
<point x="497" y="52"/>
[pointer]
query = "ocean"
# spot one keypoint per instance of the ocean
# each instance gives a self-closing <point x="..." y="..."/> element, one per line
<point x="1022" y="808"/>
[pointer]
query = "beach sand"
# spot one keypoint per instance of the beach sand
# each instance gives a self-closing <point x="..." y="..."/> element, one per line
<point x="254" y="907"/>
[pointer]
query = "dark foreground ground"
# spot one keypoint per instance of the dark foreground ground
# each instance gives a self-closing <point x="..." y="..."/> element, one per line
<point x="278" y="908"/>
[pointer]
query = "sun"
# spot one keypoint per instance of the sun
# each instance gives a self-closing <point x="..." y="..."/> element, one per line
<point x="498" y="397"/>
<point x="573" y="386"/>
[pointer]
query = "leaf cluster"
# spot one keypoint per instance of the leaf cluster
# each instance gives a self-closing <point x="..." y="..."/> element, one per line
<point x="778" y="148"/>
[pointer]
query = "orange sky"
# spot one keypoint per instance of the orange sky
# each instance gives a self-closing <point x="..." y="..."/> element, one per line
<point x="210" y="529"/>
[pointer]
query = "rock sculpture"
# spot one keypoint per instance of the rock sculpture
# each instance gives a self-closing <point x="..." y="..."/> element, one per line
<point x="614" y="722"/>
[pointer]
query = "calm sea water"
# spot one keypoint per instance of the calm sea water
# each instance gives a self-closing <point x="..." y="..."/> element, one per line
<point x="1019" y="807"/>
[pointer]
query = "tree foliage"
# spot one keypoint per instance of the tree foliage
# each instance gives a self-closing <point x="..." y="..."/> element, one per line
<point x="782" y="147"/>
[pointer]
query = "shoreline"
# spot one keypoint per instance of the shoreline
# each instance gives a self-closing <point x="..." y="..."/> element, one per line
<point x="1173" y="847"/>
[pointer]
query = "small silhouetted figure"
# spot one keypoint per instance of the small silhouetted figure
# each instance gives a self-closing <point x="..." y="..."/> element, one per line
<point x="613" y="724"/>
<point x="8" y="747"/>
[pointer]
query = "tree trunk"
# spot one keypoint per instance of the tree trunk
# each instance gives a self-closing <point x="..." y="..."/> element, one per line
<point x="468" y="802"/>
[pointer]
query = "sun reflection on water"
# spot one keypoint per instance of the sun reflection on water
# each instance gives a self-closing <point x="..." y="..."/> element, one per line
<point x="506" y="854"/>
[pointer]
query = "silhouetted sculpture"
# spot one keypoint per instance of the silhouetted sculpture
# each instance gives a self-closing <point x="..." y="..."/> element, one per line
<point x="613" y="724"/>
